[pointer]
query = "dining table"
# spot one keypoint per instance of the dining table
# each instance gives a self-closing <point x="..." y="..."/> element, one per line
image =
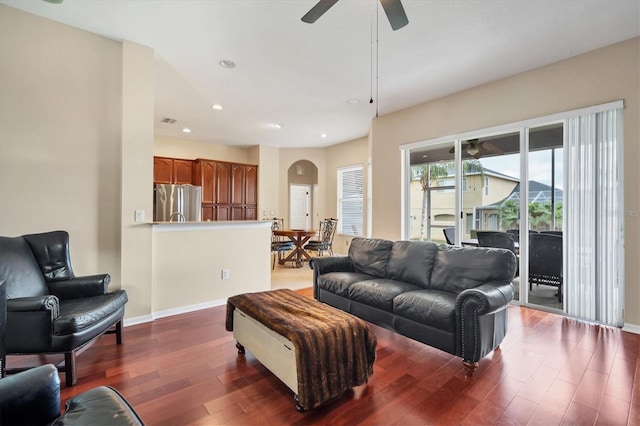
<point x="299" y="238"/>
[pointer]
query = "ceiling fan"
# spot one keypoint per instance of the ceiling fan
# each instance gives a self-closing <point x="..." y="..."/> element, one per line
<point x="393" y="8"/>
<point x="477" y="148"/>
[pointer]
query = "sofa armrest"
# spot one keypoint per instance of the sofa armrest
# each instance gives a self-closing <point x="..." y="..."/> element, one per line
<point x="323" y="265"/>
<point x="78" y="287"/>
<point x="481" y="320"/>
<point x="30" y="397"/>
<point x="486" y="298"/>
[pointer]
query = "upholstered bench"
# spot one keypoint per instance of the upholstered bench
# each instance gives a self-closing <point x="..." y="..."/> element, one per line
<point x="316" y="350"/>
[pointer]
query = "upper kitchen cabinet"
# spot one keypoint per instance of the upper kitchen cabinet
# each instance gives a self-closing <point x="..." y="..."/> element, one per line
<point x="229" y="190"/>
<point x="172" y="170"/>
<point x="204" y="175"/>
<point x="244" y="198"/>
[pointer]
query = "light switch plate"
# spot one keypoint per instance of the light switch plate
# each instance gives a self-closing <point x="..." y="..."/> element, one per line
<point x="139" y="216"/>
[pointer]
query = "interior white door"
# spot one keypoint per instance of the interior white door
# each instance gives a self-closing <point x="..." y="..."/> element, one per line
<point x="299" y="206"/>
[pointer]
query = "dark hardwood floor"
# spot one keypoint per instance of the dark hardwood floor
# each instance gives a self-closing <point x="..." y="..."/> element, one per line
<point x="549" y="370"/>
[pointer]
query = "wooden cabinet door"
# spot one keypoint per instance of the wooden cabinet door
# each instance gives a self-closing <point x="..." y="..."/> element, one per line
<point x="204" y="175"/>
<point x="251" y="212"/>
<point x="251" y="185"/>
<point x="237" y="212"/>
<point x="223" y="183"/>
<point x="223" y="212"/>
<point x="182" y="171"/>
<point x="208" y="214"/>
<point x="162" y="170"/>
<point x="237" y="183"/>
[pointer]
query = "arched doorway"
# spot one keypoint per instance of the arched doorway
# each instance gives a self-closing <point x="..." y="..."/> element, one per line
<point x="302" y="183"/>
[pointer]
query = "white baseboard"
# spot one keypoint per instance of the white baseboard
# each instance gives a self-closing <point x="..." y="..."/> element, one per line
<point x="175" y="311"/>
<point x="631" y="328"/>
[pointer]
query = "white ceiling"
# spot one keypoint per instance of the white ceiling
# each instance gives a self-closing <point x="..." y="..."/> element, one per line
<point x="301" y="75"/>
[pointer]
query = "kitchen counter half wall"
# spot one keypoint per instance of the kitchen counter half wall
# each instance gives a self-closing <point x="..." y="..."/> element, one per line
<point x="189" y="259"/>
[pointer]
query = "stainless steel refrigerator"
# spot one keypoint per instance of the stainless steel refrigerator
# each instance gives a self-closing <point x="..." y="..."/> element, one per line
<point x="177" y="203"/>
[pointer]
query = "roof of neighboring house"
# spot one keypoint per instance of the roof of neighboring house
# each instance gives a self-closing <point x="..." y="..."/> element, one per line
<point x="538" y="192"/>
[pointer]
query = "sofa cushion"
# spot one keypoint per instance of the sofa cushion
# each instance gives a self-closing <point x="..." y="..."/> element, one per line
<point x="459" y="268"/>
<point x="412" y="262"/>
<point x="339" y="282"/>
<point x="434" y="308"/>
<point x="379" y="292"/>
<point x="370" y="255"/>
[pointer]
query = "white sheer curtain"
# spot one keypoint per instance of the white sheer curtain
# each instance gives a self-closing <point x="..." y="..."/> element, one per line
<point x="593" y="222"/>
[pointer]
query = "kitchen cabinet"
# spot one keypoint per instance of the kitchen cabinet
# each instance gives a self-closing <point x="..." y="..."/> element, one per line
<point x="172" y="170"/>
<point x="244" y="183"/>
<point x="229" y="190"/>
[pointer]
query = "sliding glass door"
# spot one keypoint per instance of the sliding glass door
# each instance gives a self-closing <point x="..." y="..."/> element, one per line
<point x="553" y="183"/>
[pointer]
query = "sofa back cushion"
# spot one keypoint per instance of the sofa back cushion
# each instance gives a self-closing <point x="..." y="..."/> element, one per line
<point x="459" y="268"/>
<point x="412" y="262"/>
<point x="19" y="269"/>
<point x="370" y="255"/>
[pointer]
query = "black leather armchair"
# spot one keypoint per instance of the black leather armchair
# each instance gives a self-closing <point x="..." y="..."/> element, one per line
<point x="33" y="398"/>
<point x="49" y="309"/>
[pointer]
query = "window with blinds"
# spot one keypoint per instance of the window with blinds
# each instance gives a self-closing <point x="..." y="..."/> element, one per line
<point x="350" y="201"/>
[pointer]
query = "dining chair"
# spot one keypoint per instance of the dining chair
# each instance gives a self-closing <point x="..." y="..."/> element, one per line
<point x="278" y="244"/>
<point x="325" y="237"/>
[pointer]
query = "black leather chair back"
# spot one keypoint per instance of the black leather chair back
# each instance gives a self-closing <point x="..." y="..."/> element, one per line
<point x="51" y="251"/>
<point x="20" y="270"/>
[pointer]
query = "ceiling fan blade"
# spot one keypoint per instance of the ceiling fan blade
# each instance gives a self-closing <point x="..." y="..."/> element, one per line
<point x="491" y="148"/>
<point x="318" y="10"/>
<point x="395" y="13"/>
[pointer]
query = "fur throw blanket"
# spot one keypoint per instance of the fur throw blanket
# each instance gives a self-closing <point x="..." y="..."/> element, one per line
<point x="335" y="351"/>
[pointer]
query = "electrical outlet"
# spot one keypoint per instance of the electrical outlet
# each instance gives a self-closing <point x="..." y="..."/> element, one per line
<point x="139" y="216"/>
<point x="225" y="274"/>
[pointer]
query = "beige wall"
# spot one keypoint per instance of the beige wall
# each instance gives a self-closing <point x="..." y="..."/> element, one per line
<point x="61" y="136"/>
<point x="350" y="153"/>
<point x="165" y="146"/>
<point x="593" y="78"/>
<point x="137" y="176"/>
<point x="188" y="262"/>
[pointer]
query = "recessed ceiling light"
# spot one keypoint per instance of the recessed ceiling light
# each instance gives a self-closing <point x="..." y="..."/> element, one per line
<point x="323" y="135"/>
<point x="186" y="130"/>
<point x="353" y="101"/>
<point x="226" y="63"/>
<point x="275" y="126"/>
<point x="217" y="107"/>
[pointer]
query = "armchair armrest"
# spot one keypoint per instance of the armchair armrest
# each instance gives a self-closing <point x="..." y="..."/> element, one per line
<point x="74" y="288"/>
<point x="486" y="298"/>
<point x="30" y="397"/>
<point x="31" y="323"/>
<point x="34" y="304"/>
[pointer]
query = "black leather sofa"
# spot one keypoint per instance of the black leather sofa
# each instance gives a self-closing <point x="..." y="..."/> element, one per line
<point x="451" y="298"/>
<point x="49" y="309"/>
<point x="33" y="398"/>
